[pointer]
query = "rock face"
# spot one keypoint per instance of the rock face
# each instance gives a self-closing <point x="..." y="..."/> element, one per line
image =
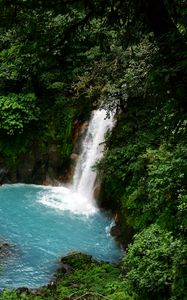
<point x="42" y="164"/>
<point x="78" y="134"/>
<point x="6" y="250"/>
<point x="34" y="166"/>
<point x="3" y="175"/>
<point x="37" y="166"/>
<point x="3" y="171"/>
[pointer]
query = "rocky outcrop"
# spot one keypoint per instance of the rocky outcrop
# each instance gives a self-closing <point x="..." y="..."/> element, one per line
<point x="6" y="250"/>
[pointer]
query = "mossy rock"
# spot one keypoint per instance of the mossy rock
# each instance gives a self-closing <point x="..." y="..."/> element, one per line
<point x="77" y="260"/>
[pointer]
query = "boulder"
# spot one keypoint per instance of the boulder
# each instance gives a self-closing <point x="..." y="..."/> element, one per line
<point x="74" y="156"/>
<point x="5" y="250"/>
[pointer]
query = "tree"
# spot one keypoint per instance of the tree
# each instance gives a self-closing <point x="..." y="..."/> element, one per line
<point x="156" y="266"/>
<point x="17" y="111"/>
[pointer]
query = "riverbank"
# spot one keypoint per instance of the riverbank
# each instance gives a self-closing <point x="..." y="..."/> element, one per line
<point x="79" y="277"/>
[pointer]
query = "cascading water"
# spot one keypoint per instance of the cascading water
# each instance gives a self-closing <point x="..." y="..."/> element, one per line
<point x="92" y="147"/>
<point x="79" y="197"/>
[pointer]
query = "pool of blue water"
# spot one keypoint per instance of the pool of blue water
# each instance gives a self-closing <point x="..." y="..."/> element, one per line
<point x="42" y="224"/>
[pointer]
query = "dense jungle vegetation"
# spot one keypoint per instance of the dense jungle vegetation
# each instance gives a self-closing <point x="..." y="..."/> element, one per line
<point x="61" y="59"/>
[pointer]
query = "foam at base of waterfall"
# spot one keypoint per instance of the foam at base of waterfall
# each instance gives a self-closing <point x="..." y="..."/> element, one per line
<point x="64" y="199"/>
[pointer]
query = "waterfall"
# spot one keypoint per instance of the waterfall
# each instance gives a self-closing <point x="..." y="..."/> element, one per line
<point x="79" y="199"/>
<point x="92" y="150"/>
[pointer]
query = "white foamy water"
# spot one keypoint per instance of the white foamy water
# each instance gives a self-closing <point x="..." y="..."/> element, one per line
<point x="79" y="198"/>
<point x="64" y="199"/>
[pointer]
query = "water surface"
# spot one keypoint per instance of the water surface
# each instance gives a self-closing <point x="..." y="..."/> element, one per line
<point x="45" y="223"/>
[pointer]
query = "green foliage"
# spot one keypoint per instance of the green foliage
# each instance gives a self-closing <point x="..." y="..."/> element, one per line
<point x="16" y="111"/>
<point x="156" y="189"/>
<point x="12" y="148"/>
<point x="115" y="78"/>
<point x="144" y="168"/>
<point x="166" y="184"/>
<point x="13" y="295"/>
<point x="156" y="264"/>
<point x="94" y="278"/>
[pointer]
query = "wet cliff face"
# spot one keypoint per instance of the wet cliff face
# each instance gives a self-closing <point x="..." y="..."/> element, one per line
<point x="3" y="171"/>
<point x="79" y="131"/>
<point x="35" y="165"/>
<point x="43" y="163"/>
